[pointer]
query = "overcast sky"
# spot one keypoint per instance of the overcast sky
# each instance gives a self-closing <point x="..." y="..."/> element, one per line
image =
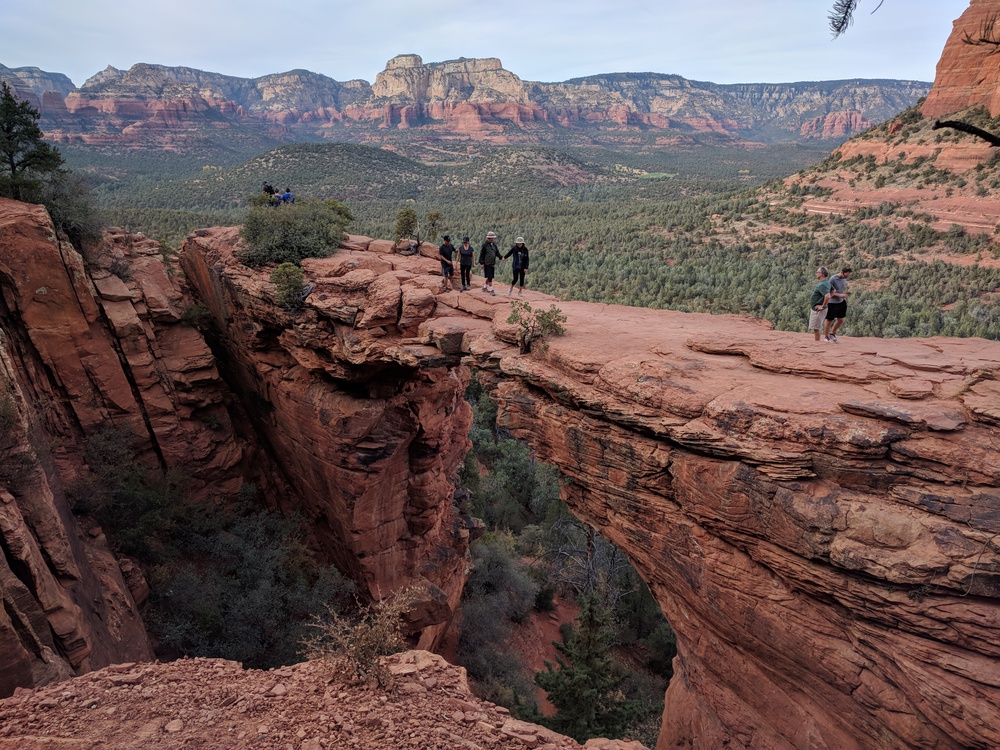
<point x="724" y="41"/>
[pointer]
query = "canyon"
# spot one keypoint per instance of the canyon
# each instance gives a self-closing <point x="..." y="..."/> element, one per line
<point x="818" y="522"/>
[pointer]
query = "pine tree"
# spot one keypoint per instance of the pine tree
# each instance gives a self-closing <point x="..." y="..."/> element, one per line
<point x="587" y="685"/>
<point x="24" y="156"/>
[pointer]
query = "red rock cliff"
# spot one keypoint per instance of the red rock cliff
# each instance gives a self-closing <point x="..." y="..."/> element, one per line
<point x="967" y="75"/>
<point x="369" y="429"/>
<point x="81" y="350"/>
<point x="818" y="523"/>
<point x="364" y="448"/>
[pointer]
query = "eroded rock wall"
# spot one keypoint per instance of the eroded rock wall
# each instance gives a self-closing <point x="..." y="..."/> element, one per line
<point x="83" y="350"/>
<point x="817" y="521"/>
<point x="368" y="427"/>
<point x="967" y="74"/>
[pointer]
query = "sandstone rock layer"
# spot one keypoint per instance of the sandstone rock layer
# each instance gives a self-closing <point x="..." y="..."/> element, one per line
<point x="368" y="426"/>
<point x="817" y="521"/>
<point x="967" y="75"/>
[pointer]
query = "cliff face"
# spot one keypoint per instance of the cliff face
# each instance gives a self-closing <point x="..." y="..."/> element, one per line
<point x="154" y="106"/>
<point x="81" y="352"/>
<point x="37" y="81"/>
<point x="817" y="523"/>
<point x="967" y="75"/>
<point x="369" y="430"/>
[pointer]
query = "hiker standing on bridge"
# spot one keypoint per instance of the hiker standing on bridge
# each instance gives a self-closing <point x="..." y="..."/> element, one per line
<point x="466" y="256"/>
<point x="446" y="252"/>
<point x="818" y="302"/>
<point x="489" y="254"/>
<point x="836" y="311"/>
<point x="519" y="252"/>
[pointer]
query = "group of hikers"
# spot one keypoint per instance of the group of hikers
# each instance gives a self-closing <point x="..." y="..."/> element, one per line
<point x="276" y="198"/>
<point x="828" y="304"/>
<point x="489" y="256"/>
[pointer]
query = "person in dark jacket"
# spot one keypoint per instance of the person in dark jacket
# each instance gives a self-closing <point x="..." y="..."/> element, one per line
<point x="519" y="261"/>
<point x="466" y="258"/>
<point x="489" y="254"/>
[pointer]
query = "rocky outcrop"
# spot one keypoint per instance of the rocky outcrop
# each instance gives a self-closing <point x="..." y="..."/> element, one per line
<point x="817" y="523"/>
<point x="368" y="426"/>
<point x="206" y="702"/>
<point x="837" y="125"/>
<point x="967" y="75"/>
<point x="81" y="352"/>
<point x="37" y="81"/>
<point x="109" y="342"/>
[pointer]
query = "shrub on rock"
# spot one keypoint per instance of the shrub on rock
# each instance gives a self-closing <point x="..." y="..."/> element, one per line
<point x="289" y="233"/>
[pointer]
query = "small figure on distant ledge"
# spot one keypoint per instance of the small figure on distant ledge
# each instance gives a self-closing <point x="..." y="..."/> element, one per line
<point x="287" y="197"/>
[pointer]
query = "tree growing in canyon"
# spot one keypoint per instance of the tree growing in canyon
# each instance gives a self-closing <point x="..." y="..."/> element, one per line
<point x="533" y="325"/>
<point x="25" y="159"/>
<point x="587" y="685"/>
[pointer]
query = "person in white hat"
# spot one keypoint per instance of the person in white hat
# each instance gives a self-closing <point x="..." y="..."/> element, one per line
<point x="519" y="253"/>
<point x="489" y="254"/>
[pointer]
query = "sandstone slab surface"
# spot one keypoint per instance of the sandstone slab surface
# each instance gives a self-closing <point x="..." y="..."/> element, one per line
<point x="817" y="521"/>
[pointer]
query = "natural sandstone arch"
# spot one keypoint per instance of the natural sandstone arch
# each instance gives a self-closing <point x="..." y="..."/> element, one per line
<point x="817" y="523"/>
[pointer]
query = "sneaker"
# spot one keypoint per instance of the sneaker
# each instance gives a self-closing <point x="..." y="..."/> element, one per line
<point x="510" y="291"/>
<point x="826" y="340"/>
<point x="520" y="292"/>
<point x="490" y="290"/>
<point x="834" y="339"/>
<point x="485" y="288"/>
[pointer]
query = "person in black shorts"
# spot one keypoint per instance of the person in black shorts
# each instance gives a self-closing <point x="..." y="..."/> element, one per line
<point x="836" y="311"/>
<point x="446" y="251"/>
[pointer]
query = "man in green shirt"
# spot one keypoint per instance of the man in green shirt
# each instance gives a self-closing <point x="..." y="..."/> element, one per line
<point x="818" y="301"/>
